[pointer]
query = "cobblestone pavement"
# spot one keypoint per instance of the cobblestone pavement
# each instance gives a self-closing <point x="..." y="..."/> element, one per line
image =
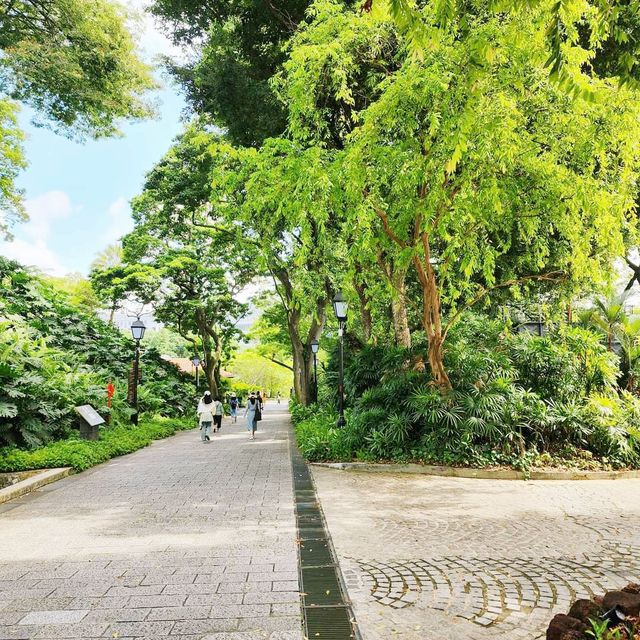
<point x="429" y="558"/>
<point x="181" y="540"/>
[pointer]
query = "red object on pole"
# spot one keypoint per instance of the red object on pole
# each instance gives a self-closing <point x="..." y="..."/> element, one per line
<point x="111" y="390"/>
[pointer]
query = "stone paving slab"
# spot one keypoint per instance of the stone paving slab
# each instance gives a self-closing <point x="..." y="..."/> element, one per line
<point x="181" y="540"/>
<point x="428" y="558"/>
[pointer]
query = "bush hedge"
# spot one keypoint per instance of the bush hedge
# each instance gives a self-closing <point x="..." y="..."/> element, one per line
<point x="82" y="454"/>
<point x="54" y="355"/>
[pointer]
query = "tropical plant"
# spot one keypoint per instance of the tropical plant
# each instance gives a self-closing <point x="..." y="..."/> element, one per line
<point x="55" y="356"/>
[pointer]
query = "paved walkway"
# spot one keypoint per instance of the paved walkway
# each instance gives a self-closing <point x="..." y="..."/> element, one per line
<point x="180" y="540"/>
<point x="429" y="558"/>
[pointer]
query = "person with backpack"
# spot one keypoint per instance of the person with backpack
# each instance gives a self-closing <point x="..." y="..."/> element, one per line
<point x="233" y="403"/>
<point x="205" y="413"/>
<point x="218" y="412"/>
<point x="251" y="412"/>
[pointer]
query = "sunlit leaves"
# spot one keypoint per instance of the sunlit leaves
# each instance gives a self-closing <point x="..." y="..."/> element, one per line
<point x="74" y="62"/>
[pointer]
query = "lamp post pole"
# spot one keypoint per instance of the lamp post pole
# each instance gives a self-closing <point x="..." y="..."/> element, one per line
<point x="137" y="331"/>
<point x="341" y="420"/>
<point x="136" y="374"/>
<point x="315" y="346"/>
<point x="340" y="307"/>
<point x="196" y="363"/>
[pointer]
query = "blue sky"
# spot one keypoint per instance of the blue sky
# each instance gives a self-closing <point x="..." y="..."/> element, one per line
<point x="77" y="194"/>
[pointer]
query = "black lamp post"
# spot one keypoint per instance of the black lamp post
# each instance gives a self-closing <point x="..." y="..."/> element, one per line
<point x="315" y="346"/>
<point x="137" y="331"/>
<point x="340" y="307"/>
<point x="196" y="363"/>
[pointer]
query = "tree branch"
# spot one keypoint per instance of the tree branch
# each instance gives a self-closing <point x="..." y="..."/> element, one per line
<point x="278" y="362"/>
<point x="387" y="228"/>
<point x="552" y="276"/>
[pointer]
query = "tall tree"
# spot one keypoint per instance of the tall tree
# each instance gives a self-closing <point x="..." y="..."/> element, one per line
<point x="484" y="175"/>
<point x="282" y="197"/>
<point x="200" y="271"/>
<point x="241" y="47"/>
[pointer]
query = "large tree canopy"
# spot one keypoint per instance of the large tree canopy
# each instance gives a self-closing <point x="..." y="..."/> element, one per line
<point x="241" y="49"/>
<point x="74" y="62"/>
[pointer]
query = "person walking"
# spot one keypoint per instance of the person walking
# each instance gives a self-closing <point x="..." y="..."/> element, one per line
<point x="250" y="412"/>
<point x="218" y="412"/>
<point x="260" y="402"/>
<point x="233" y="404"/>
<point x="279" y="397"/>
<point x="205" y="415"/>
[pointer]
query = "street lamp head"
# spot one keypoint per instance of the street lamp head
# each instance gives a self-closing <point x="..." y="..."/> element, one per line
<point x="315" y="346"/>
<point x="340" y="306"/>
<point x="138" y="329"/>
<point x="196" y="361"/>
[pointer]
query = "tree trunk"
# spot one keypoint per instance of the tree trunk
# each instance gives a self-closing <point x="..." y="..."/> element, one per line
<point x="399" y="309"/>
<point x="397" y="278"/>
<point x="303" y="357"/>
<point x="301" y="349"/>
<point x="365" y="311"/>
<point x="112" y="313"/>
<point x="431" y="316"/>
<point x="210" y="358"/>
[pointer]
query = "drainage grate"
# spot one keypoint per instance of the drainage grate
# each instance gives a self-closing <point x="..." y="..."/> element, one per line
<point x="326" y="613"/>
<point x="329" y="623"/>
<point x="315" y="553"/>
<point x="321" y="587"/>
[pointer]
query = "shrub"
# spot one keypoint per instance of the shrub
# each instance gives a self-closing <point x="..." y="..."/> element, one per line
<point x="515" y="397"/>
<point x="82" y="454"/>
<point x="54" y="356"/>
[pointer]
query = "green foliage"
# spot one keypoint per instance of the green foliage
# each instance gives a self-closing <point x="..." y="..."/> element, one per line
<point x="597" y="36"/>
<point x="517" y="400"/>
<point x="82" y="454"/>
<point x="74" y="62"/>
<point x="168" y="343"/>
<point x="54" y="356"/>
<point x="38" y="389"/>
<point x="259" y="372"/>
<point x="242" y="48"/>
<point x="11" y="163"/>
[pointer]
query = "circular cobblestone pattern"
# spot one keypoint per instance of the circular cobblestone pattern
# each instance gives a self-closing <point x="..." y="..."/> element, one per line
<point x="495" y="591"/>
<point x="428" y="558"/>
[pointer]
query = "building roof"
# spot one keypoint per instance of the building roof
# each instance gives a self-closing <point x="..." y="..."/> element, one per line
<point x="186" y="366"/>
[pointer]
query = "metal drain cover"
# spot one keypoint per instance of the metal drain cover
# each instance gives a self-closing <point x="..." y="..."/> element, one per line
<point x="329" y="623"/>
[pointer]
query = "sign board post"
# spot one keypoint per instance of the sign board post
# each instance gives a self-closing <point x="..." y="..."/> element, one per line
<point x="89" y="420"/>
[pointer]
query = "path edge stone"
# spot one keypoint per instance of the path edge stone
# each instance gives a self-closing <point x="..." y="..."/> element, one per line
<point x="34" y="482"/>
<point x="478" y="474"/>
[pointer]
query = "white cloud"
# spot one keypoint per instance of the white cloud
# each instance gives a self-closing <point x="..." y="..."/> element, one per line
<point x="34" y="254"/>
<point x="120" y="220"/>
<point x="31" y="249"/>
<point x="43" y="211"/>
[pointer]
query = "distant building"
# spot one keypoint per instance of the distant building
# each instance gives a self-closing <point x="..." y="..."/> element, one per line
<point x="186" y="366"/>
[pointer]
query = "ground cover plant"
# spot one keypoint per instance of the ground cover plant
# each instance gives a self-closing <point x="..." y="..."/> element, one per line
<point x="82" y="454"/>
<point x="54" y="356"/>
